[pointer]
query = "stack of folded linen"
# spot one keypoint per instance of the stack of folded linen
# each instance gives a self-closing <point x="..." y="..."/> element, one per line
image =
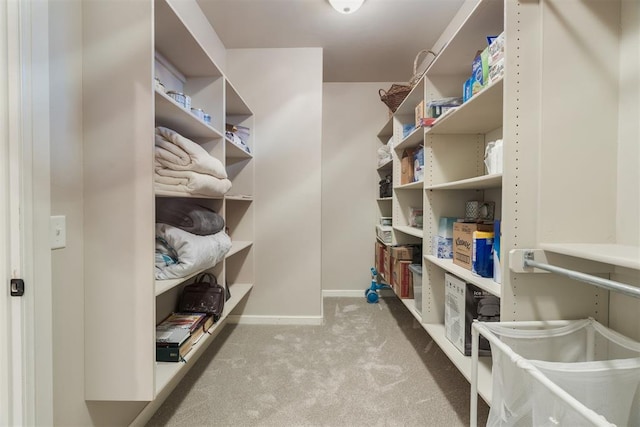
<point x="182" y="166"/>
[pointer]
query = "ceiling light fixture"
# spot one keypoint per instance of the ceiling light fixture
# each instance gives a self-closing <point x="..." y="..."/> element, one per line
<point x="346" y="6"/>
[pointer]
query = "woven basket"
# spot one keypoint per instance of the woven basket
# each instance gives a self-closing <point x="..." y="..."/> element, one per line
<point x="417" y="76"/>
<point x="394" y="96"/>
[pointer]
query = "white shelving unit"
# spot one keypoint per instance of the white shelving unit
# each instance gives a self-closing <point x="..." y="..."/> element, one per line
<point x="550" y="160"/>
<point x="123" y="302"/>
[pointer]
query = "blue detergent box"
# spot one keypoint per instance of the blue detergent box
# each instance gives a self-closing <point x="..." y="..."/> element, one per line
<point x="443" y="241"/>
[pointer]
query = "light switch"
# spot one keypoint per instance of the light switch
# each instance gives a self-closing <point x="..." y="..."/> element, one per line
<point x="58" y="232"/>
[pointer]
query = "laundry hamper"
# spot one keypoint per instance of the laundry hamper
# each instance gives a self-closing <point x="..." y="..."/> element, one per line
<point x="561" y="373"/>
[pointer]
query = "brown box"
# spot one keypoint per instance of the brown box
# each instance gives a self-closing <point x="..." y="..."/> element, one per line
<point x="402" y="279"/>
<point x="404" y="253"/>
<point x="387" y="266"/>
<point x="420" y="113"/>
<point x="379" y="258"/>
<point x="463" y="241"/>
<point x="406" y="166"/>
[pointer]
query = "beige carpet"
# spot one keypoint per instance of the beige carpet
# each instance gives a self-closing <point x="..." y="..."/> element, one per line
<point x="368" y="365"/>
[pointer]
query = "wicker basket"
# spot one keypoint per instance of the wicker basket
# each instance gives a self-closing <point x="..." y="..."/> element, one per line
<point x="416" y="77"/>
<point x="394" y="96"/>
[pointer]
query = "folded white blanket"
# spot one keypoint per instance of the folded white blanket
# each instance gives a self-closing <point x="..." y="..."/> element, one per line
<point x="195" y="253"/>
<point x="190" y="182"/>
<point x="174" y="151"/>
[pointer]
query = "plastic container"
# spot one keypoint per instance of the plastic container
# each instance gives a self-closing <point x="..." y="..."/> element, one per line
<point x="416" y="272"/>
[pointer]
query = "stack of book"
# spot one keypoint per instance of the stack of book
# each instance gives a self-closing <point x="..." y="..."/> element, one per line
<point x="178" y="333"/>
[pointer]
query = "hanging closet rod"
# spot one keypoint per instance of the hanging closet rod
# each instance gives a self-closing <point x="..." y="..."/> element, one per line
<point x="610" y="285"/>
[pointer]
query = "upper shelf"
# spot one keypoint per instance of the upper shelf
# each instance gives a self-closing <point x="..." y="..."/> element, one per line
<point x="387" y="131"/>
<point x="483" y="182"/>
<point x="481" y="114"/>
<point x="175" y="42"/>
<point x="235" y="152"/>
<point x="172" y="115"/>
<point x="235" y="105"/>
<point x="609" y="253"/>
<point x="415" y="138"/>
<point x="487" y="19"/>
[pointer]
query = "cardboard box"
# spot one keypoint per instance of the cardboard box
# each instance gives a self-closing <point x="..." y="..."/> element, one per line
<point x="465" y="302"/>
<point x="404" y="253"/>
<point x="463" y="242"/>
<point x="419" y="113"/>
<point x="402" y="279"/>
<point x="379" y="258"/>
<point x="406" y="166"/>
<point x="387" y="266"/>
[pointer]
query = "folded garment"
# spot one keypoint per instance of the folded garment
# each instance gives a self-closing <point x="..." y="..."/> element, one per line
<point x="189" y="216"/>
<point x="190" y="182"/>
<point x="174" y="151"/>
<point x="195" y="253"/>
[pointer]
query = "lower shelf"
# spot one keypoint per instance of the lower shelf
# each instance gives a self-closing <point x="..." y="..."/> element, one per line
<point x="168" y="371"/>
<point x="462" y="362"/>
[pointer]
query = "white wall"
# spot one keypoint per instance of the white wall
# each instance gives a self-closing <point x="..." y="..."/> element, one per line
<point x="283" y="87"/>
<point x="352" y="117"/>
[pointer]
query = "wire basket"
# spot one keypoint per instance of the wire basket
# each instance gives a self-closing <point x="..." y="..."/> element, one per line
<point x="394" y="96"/>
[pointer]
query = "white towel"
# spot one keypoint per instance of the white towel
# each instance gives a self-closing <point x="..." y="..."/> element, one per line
<point x="190" y="182"/>
<point x="174" y="151"/>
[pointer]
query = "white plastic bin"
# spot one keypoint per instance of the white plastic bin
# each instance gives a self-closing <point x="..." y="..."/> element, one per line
<point x="564" y="373"/>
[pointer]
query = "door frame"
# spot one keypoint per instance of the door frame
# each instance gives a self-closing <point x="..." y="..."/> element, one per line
<point x="26" y="393"/>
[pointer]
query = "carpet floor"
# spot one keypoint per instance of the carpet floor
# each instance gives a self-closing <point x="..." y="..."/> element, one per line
<point x="367" y="365"/>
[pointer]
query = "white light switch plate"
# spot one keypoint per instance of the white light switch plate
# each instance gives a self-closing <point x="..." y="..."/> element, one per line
<point x="58" y="232"/>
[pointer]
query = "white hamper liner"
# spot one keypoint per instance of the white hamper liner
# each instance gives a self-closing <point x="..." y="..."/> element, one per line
<point x="563" y="373"/>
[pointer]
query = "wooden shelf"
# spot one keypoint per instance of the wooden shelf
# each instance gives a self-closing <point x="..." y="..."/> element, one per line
<point x="235" y="105"/>
<point x="412" y="231"/>
<point x="387" y="130"/>
<point x="462" y="362"/>
<point x="487" y="18"/>
<point x="235" y="152"/>
<point x="175" y="42"/>
<point x="487" y="284"/>
<point x="386" y="165"/>
<point x="167" y="371"/>
<point x="609" y="253"/>
<point x="410" y="186"/>
<point x="479" y="115"/>
<point x="172" y="115"/>
<point x="415" y="138"/>
<point x="484" y="182"/>
<point x="237" y="246"/>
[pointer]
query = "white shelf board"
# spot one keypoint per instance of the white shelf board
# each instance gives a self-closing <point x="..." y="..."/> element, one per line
<point x="240" y="197"/>
<point x="478" y="183"/>
<point x="237" y="246"/>
<point x="410" y="186"/>
<point x="235" y="152"/>
<point x="415" y="138"/>
<point x="412" y="231"/>
<point x="486" y="19"/>
<point x="161" y="193"/>
<point x="235" y="105"/>
<point x="383" y="242"/>
<point x="411" y="306"/>
<point x="166" y="371"/>
<point x="487" y="284"/>
<point x="386" y="165"/>
<point x="387" y="130"/>
<point x="408" y="106"/>
<point x="385" y="199"/>
<point x="173" y="116"/>
<point x="462" y="362"/>
<point x="609" y="253"/>
<point x="479" y="115"/>
<point x="175" y="42"/>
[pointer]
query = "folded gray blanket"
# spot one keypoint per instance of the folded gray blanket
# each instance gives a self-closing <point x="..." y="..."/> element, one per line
<point x="189" y="216"/>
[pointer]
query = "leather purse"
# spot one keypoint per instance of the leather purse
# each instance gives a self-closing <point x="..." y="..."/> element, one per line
<point x="204" y="295"/>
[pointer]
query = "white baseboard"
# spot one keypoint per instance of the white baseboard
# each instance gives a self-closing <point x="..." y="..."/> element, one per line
<point x="335" y="293"/>
<point x="274" y="320"/>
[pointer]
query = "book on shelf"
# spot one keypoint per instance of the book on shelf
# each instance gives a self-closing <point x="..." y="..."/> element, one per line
<point x="176" y="335"/>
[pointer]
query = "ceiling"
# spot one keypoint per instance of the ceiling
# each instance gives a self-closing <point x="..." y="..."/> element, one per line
<point x="378" y="43"/>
